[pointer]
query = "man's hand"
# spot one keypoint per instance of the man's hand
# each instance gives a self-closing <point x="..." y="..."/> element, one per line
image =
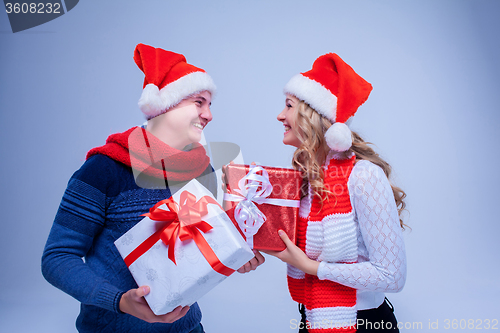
<point x="252" y="264"/>
<point x="133" y="303"/>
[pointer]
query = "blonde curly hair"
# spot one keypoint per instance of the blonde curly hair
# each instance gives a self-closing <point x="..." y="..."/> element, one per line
<point x="311" y="155"/>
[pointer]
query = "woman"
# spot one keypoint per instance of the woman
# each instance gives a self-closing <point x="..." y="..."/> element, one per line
<point x="118" y="183"/>
<point x="350" y="247"/>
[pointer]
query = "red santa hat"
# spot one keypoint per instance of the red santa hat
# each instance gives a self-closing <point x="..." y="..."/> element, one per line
<point x="168" y="79"/>
<point x="334" y="90"/>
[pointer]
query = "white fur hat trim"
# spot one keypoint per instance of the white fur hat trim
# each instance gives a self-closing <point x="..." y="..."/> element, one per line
<point x="338" y="137"/>
<point x="314" y="94"/>
<point x="154" y="102"/>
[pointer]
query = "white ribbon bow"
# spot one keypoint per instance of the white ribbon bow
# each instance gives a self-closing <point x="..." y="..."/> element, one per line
<point x="254" y="189"/>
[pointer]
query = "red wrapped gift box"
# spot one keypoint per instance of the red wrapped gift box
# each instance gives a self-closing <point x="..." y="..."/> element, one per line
<point x="260" y="201"/>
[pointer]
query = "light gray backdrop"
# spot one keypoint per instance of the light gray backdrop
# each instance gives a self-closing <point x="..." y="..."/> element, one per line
<point x="433" y="114"/>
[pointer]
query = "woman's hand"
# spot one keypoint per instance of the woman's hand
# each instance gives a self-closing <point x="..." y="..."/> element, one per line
<point x="252" y="264"/>
<point x="133" y="303"/>
<point x="294" y="256"/>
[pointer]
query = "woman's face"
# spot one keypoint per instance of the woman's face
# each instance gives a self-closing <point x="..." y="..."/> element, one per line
<point x="184" y="123"/>
<point x="288" y="117"/>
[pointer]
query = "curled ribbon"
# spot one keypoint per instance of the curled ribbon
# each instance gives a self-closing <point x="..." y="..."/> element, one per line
<point x="183" y="222"/>
<point x="254" y="188"/>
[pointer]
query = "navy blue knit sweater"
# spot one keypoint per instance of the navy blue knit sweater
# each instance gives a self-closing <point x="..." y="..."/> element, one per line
<point x="102" y="202"/>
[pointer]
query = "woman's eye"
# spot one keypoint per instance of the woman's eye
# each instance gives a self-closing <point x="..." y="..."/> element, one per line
<point x="288" y="106"/>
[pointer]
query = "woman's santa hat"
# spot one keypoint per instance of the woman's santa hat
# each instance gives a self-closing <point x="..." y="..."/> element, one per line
<point x="168" y="79"/>
<point x="334" y="90"/>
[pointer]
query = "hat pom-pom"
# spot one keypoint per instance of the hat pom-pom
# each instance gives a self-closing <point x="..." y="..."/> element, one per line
<point x="150" y="102"/>
<point x="338" y="137"/>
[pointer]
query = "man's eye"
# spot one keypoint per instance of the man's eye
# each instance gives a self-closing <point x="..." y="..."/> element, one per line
<point x="199" y="102"/>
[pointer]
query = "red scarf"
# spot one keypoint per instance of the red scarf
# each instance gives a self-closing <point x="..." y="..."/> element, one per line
<point x="141" y="150"/>
<point x="330" y="307"/>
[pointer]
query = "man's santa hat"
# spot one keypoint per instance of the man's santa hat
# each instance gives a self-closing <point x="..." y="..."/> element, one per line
<point x="334" y="90"/>
<point x="168" y="79"/>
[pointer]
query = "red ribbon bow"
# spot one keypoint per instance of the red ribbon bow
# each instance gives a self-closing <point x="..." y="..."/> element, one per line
<point x="184" y="222"/>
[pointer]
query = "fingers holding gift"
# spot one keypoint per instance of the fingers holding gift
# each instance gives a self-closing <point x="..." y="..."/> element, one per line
<point x="245" y="268"/>
<point x="248" y="267"/>
<point x="253" y="263"/>
<point x="223" y="177"/>
<point x="133" y="303"/>
<point x="284" y="237"/>
<point x="294" y="256"/>
<point x="288" y="253"/>
<point x="260" y="258"/>
<point x="176" y="314"/>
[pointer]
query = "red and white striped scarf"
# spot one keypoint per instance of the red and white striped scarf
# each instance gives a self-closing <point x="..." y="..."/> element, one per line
<point x="327" y="233"/>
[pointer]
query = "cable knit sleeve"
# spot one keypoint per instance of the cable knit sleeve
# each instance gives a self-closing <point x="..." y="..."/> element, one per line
<point x="79" y="220"/>
<point x="381" y="262"/>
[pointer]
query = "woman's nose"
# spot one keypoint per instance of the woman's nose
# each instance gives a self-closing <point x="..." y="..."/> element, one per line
<point x="281" y="116"/>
